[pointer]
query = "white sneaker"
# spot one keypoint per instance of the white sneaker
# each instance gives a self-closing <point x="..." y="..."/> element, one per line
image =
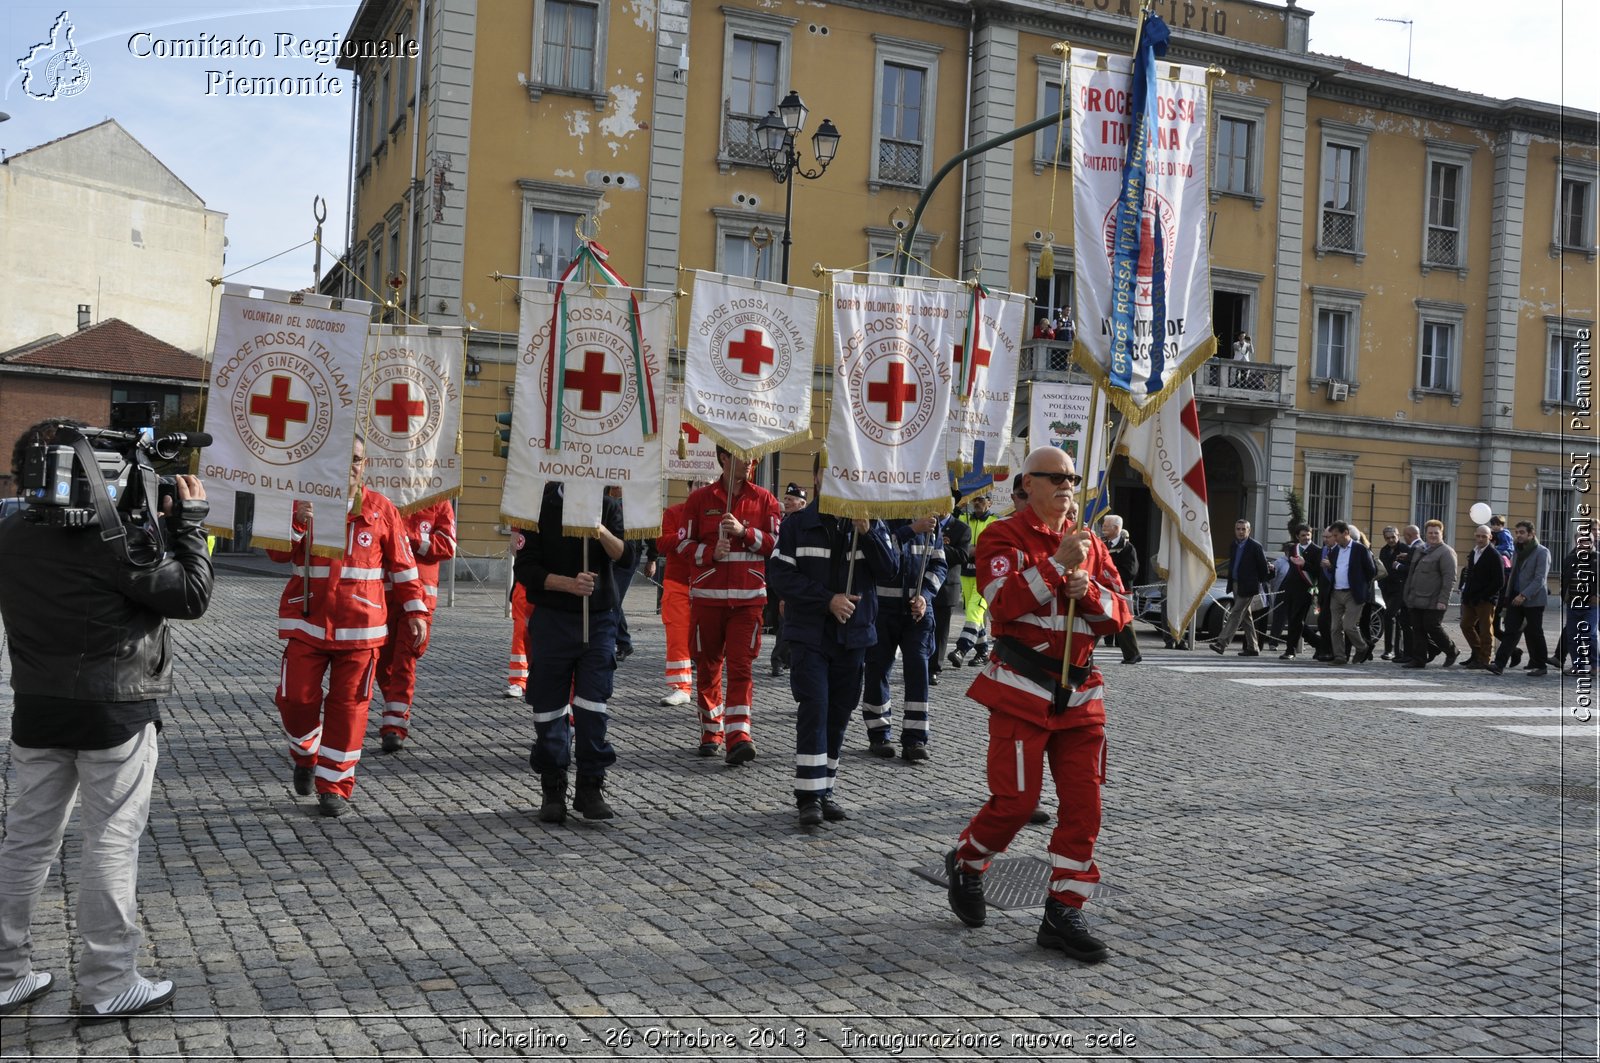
<point x="33" y="985"/>
<point x="676" y="697"/>
<point x="513" y="691"/>
<point x="144" y="995"/>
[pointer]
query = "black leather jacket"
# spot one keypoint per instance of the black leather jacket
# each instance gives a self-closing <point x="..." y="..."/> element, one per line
<point x="82" y="624"/>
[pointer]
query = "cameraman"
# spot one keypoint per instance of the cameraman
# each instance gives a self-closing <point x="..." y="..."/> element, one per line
<point x="90" y="653"/>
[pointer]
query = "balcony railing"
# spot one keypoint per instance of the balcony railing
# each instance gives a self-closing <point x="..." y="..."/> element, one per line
<point x="1217" y="380"/>
<point x="739" y="140"/>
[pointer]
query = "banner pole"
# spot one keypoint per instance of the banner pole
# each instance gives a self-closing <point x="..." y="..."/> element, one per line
<point x="585" y="568"/>
<point x="305" y="568"/>
<point x="1083" y="501"/>
<point x="850" y="572"/>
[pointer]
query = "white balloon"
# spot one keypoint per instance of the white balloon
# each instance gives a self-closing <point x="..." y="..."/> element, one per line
<point x="1480" y="512"/>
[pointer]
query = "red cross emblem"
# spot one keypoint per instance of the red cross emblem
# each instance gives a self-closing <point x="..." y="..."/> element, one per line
<point x="690" y="432"/>
<point x="364" y="538"/>
<point x="980" y="355"/>
<point x="753" y="352"/>
<point x="894" y="393"/>
<point x="593" y="381"/>
<point x="279" y="409"/>
<point x="399" y="407"/>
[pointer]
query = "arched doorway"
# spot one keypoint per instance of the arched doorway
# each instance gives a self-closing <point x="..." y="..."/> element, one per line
<point x="1227" y="495"/>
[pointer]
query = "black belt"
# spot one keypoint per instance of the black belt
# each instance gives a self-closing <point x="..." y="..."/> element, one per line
<point x="1041" y="668"/>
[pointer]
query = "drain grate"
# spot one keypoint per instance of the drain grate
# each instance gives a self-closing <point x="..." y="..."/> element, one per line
<point x="1567" y="793"/>
<point x="1014" y="882"/>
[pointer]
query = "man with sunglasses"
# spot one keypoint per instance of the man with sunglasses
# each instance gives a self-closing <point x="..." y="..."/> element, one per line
<point x="1033" y="568"/>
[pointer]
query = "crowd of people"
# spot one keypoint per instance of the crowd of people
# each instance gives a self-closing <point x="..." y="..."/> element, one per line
<point x="1501" y="583"/>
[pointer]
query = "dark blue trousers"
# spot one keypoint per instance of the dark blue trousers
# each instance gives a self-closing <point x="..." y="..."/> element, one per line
<point x="914" y="640"/>
<point x="827" y="685"/>
<point x="565" y="672"/>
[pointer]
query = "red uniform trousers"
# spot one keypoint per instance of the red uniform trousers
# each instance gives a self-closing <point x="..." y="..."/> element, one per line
<point x="326" y="731"/>
<point x="1018" y="749"/>
<point x="521" y="609"/>
<point x="732" y="635"/>
<point x="397" y="671"/>
<point x="675" y="618"/>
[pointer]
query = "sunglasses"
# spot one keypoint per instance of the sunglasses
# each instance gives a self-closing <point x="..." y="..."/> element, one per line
<point x="1059" y="478"/>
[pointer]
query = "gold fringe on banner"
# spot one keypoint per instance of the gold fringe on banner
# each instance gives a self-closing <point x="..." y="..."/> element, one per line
<point x="753" y="453"/>
<point x="286" y="545"/>
<point x="1123" y="400"/>
<point x="582" y="531"/>
<point x="412" y="507"/>
<point x="844" y="507"/>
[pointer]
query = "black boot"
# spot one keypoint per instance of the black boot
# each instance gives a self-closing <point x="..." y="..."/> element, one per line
<point x="554" y="808"/>
<point x="1066" y="928"/>
<point x="589" y="802"/>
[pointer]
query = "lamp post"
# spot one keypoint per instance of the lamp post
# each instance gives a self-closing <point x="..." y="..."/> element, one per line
<point x="776" y="134"/>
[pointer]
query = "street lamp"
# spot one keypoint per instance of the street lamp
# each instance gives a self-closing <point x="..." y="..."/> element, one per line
<point x="775" y="134"/>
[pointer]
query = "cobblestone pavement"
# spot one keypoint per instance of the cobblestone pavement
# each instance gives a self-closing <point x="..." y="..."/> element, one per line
<point x="1307" y="871"/>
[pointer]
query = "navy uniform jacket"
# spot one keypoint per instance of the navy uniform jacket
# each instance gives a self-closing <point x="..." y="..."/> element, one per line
<point x="808" y="568"/>
<point x="912" y="548"/>
<point x="957" y="540"/>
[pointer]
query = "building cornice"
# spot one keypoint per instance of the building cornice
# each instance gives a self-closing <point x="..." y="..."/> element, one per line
<point x="178" y="383"/>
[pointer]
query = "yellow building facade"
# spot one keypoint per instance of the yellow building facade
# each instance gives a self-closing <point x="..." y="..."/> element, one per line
<point x="1415" y="265"/>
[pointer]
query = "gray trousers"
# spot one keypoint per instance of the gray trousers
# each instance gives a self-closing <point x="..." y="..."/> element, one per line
<point x="1239" y="613"/>
<point x="115" y="786"/>
<point x="1346" y="625"/>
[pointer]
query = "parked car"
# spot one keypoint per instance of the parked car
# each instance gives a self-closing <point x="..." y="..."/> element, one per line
<point x="9" y="506"/>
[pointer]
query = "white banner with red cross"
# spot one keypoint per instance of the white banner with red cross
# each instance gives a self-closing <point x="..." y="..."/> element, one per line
<point x="687" y="453"/>
<point x="748" y="364"/>
<point x="985" y="362"/>
<point x="282" y="411"/>
<point x="411" y="413"/>
<point x="1143" y="276"/>
<point x="891" y="398"/>
<point x="578" y="410"/>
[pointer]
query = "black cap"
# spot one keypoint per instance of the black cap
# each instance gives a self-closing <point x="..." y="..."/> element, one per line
<point x="796" y="490"/>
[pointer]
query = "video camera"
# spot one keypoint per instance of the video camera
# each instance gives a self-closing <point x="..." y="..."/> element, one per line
<point x="105" y="474"/>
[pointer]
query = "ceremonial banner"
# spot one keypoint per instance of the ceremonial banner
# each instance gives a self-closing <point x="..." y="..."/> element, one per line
<point x="1166" y="451"/>
<point x="891" y="398"/>
<point x="747" y="369"/>
<point x="282" y="411"/>
<point x="1059" y="416"/>
<point x="578" y="371"/>
<point x="687" y="453"/>
<point x="986" y="382"/>
<point x="1143" y="284"/>
<point x="411" y="413"/>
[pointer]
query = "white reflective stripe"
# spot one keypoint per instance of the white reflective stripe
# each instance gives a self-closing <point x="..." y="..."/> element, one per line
<point x="756" y="538"/>
<point x="283" y="676"/>
<point x="1071" y="885"/>
<point x="307" y="741"/>
<point x="910" y="724"/>
<point x="366" y="601"/>
<point x="515" y="673"/>
<point x="445" y="538"/>
<point x="984" y="849"/>
<point x="820" y="783"/>
<point x="813" y="551"/>
<point x="1058" y="861"/>
<point x="811" y="760"/>
<point x="700" y="554"/>
<point x="998" y="672"/>
<point x="396" y="717"/>
<point x="675" y="664"/>
<point x="1099" y="608"/>
<point x="993" y="589"/>
<point x="352" y="634"/>
<point x="588" y="706"/>
<point x="397" y="706"/>
<point x="1058" y="622"/>
<point x="1041" y="591"/>
<point x="405" y="575"/>
<point x="361" y="573"/>
<point x="890" y="592"/>
<point x="324" y="772"/>
<point x="742" y="727"/>
<point x="320" y="571"/>
<point x="784" y="558"/>
<point x="340" y="755"/>
<point x="550" y="717"/>
<point x="301" y="625"/>
<point x="519" y="658"/>
<point x="1022" y="774"/>
<point x="417" y="605"/>
<point x="430" y="590"/>
<point x="743" y="555"/>
<point x="708" y="592"/>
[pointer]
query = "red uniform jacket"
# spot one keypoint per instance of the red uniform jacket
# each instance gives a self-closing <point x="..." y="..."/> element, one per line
<point x="1025" y="588"/>
<point x="676" y="567"/>
<point x="431" y="534"/>
<point x="348" y="608"/>
<point x="739" y="579"/>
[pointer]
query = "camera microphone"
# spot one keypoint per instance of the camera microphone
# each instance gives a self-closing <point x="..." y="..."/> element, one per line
<point x="168" y="446"/>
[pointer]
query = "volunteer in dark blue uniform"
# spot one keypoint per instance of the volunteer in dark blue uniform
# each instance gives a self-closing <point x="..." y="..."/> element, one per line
<point x="829" y="625"/>
<point x="905" y="622"/>
<point x="565" y="670"/>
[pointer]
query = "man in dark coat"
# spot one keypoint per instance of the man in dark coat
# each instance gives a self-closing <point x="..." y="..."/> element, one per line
<point x="1299" y="584"/>
<point x="1126" y="558"/>
<point x="1349" y="568"/>
<point x="1248" y="572"/>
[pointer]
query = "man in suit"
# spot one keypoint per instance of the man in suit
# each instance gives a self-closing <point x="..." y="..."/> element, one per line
<point x="1248" y="572"/>
<point x="1298" y="586"/>
<point x="1349" y="568"/>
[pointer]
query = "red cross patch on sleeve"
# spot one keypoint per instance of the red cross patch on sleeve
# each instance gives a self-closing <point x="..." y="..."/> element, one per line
<point x="999" y="565"/>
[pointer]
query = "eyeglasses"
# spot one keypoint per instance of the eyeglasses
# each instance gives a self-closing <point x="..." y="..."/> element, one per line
<point x="1059" y="478"/>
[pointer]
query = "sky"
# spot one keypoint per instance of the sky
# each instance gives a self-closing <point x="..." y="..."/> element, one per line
<point x="263" y="160"/>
